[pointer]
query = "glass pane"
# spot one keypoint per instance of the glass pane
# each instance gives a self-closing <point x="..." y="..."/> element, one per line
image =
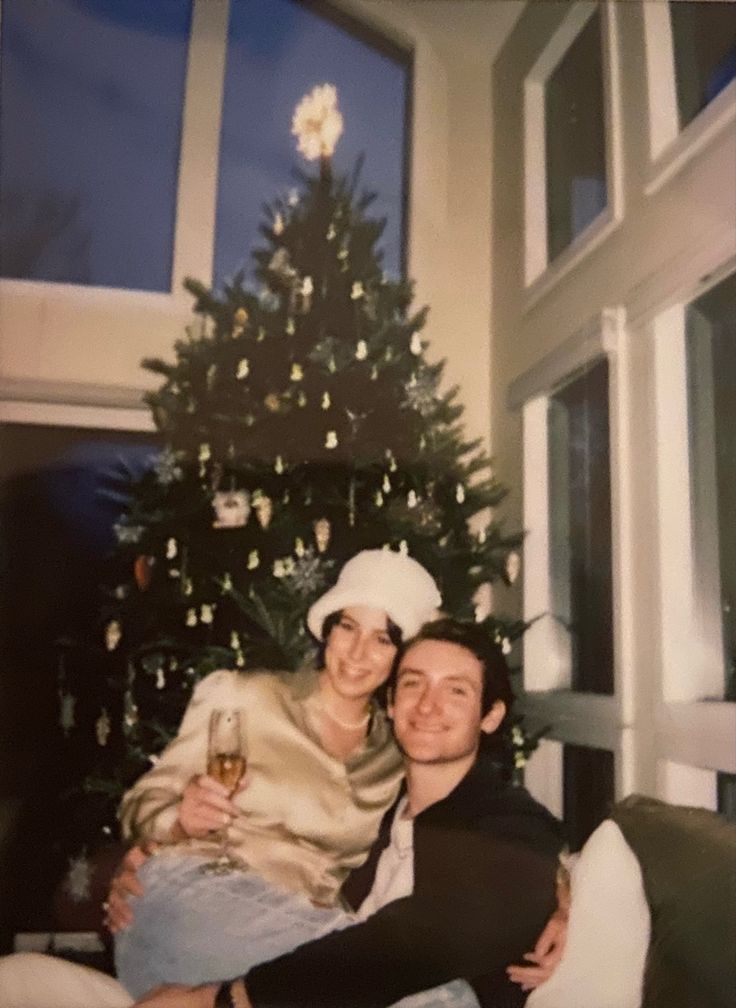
<point x="727" y="795"/>
<point x="61" y="490"/>
<point x="92" y="94"/>
<point x="277" y="51"/>
<point x="575" y="140"/>
<point x="580" y="526"/>
<point x="704" y="40"/>
<point x="588" y="776"/>
<point x="711" y="355"/>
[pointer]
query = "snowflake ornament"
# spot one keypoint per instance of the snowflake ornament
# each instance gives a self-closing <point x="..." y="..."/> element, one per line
<point x="127" y="534"/>
<point x="78" y="881"/>
<point x="308" y="573"/>
<point x="166" y="468"/>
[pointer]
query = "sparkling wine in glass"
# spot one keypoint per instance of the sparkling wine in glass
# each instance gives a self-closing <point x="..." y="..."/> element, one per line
<point x="226" y="763"/>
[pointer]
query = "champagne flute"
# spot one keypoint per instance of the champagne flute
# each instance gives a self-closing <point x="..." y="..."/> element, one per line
<point x="226" y="763"/>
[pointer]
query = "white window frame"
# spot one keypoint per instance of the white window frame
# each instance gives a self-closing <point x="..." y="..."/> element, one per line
<point x="586" y="719"/>
<point x="670" y="148"/>
<point x="539" y="273"/>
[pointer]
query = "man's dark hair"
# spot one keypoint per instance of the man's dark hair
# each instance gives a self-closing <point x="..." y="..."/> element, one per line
<point x="472" y="637"/>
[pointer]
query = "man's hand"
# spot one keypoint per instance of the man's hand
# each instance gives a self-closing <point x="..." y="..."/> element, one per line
<point x="176" y="996"/>
<point x="546" y="955"/>
<point x="551" y="943"/>
<point x="125" y="883"/>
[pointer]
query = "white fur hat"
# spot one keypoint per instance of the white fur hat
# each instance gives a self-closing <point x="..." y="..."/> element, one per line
<point x="384" y="580"/>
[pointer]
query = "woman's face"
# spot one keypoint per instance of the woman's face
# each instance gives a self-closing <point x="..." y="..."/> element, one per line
<point x="359" y="653"/>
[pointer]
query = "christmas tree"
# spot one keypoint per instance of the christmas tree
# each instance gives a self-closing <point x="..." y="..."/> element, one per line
<point x="302" y="423"/>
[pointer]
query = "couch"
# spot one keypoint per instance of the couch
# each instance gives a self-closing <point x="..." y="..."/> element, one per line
<point x="653" y="914"/>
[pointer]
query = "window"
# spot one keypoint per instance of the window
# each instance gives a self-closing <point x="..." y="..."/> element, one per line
<point x="277" y="51"/>
<point x="90" y="151"/>
<point x="580" y="526"/>
<point x="572" y="156"/>
<point x="588" y="790"/>
<point x="575" y="142"/>
<point x="710" y="327"/>
<point x="704" y="48"/>
<point x="690" y="67"/>
<point x="61" y="490"/>
<point x="92" y="191"/>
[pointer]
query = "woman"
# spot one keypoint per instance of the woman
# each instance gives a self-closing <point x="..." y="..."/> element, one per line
<point x="322" y="770"/>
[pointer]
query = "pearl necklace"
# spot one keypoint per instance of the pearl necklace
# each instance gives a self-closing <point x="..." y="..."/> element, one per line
<point x="347" y="725"/>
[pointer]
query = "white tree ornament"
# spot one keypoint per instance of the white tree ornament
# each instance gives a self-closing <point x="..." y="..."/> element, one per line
<point x="317" y="123"/>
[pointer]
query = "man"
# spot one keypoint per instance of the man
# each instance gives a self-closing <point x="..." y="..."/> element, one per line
<point x="476" y="881"/>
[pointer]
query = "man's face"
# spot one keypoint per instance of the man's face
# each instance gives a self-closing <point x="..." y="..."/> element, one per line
<point x="436" y="707"/>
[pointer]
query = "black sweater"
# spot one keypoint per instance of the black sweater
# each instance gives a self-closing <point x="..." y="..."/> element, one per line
<point x="485" y="860"/>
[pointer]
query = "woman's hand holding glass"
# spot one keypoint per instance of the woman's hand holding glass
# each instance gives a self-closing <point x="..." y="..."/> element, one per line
<point x="206" y="807"/>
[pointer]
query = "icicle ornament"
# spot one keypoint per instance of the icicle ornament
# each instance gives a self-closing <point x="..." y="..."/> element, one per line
<point x="264" y="510"/>
<point x="322" y="533"/>
<point x="67" y="720"/>
<point x="102" y="727"/>
<point x="513" y="566"/>
<point x="113" y="633"/>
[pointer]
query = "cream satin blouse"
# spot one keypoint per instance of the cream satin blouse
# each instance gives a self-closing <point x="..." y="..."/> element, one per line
<point x="307" y="818"/>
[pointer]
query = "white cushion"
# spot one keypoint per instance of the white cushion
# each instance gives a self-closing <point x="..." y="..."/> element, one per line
<point x="608" y="930"/>
<point x="31" y="980"/>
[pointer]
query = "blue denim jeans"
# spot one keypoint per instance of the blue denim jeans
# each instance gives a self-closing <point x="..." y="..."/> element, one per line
<point x="193" y="928"/>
